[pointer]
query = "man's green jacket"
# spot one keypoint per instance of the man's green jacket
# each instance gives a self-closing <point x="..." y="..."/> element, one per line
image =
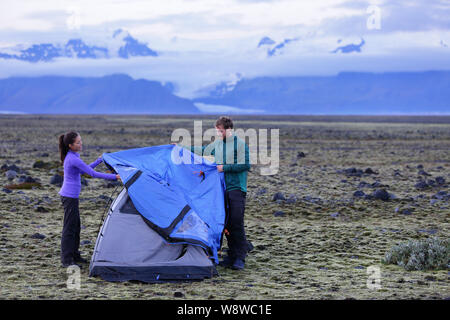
<point x="233" y="153"/>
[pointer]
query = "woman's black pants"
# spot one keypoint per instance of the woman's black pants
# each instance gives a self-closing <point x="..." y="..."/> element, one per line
<point x="70" y="239"/>
<point x="237" y="241"/>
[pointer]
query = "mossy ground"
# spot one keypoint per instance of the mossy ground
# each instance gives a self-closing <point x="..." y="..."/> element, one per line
<point x="307" y="253"/>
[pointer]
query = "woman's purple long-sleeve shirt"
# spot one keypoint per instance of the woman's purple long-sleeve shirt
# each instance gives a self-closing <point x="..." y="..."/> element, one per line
<point x="73" y="168"/>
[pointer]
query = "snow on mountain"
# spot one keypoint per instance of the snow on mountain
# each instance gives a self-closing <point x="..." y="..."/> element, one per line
<point x="273" y="48"/>
<point x="122" y="45"/>
<point x="350" y="47"/>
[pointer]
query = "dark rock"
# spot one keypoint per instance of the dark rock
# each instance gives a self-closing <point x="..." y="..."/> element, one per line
<point x="85" y="242"/>
<point x="300" y="155"/>
<point x="377" y="184"/>
<point x="40" y="209"/>
<point x="11" y="174"/>
<point x="44" y="154"/>
<point x="381" y="194"/>
<point x="25" y="178"/>
<point x="38" y="236"/>
<point x="421" y="185"/>
<point x="353" y="172"/>
<point x="278" y="196"/>
<point x="405" y="211"/>
<point x="359" y="193"/>
<point x="334" y="214"/>
<point x="6" y="190"/>
<point x="430" y="231"/>
<point x="30" y="179"/>
<point x="363" y="184"/>
<point x="39" y="164"/>
<point x="370" y="171"/>
<point x="279" y="214"/>
<point x="312" y="199"/>
<point x="441" y="195"/>
<point x="440" y="180"/>
<point x="57" y="180"/>
<point x="261" y="191"/>
<point x="422" y="172"/>
<point x="420" y="166"/>
<point x="178" y="294"/>
<point x="13" y="167"/>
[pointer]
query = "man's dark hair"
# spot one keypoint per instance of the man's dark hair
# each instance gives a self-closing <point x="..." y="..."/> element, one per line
<point x="225" y="122"/>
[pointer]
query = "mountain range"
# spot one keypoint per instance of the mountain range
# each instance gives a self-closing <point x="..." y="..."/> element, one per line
<point x="344" y="93"/>
<point x="122" y="45"/>
<point x="117" y="93"/>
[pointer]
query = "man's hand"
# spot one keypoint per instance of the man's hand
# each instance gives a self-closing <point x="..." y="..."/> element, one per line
<point x="220" y="168"/>
<point x="118" y="177"/>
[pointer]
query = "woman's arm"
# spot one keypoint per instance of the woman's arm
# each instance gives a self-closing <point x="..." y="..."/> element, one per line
<point x="87" y="169"/>
<point x="96" y="162"/>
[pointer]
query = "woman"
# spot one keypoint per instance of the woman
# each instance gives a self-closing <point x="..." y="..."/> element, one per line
<point x="69" y="146"/>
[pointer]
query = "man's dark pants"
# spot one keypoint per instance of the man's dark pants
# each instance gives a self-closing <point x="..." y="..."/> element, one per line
<point x="237" y="241"/>
<point x="70" y="239"/>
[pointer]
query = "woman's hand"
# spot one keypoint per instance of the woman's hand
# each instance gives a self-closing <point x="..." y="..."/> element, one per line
<point x="118" y="177"/>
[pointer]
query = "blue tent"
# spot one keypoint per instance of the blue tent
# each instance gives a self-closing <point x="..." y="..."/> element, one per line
<point x="180" y="195"/>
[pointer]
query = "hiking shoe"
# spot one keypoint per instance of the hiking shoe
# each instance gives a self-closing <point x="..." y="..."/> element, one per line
<point x="66" y="265"/>
<point x="81" y="260"/>
<point x="226" y="262"/>
<point x="238" y="264"/>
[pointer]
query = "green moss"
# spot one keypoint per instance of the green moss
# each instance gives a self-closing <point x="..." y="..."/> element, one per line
<point x="428" y="254"/>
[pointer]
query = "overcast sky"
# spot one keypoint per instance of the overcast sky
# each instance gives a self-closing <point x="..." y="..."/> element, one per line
<point x="204" y="41"/>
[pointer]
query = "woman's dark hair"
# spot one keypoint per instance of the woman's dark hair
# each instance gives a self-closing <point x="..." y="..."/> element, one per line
<point x="225" y="122"/>
<point x="64" y="141"/>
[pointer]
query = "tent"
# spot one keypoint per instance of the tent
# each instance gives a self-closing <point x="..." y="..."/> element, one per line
<point x="166" y="223"/>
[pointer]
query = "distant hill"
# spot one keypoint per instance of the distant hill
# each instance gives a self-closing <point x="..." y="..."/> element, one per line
<point x="345" y="93"/>
<point x="117" y="93"/>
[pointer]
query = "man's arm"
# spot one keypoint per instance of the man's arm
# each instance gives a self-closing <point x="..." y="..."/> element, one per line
<point x="201" y="150"/>
<point x="239" y="167"/>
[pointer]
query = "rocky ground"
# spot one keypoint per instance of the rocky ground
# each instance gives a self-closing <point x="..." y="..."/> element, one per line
<point x="348" y="189"/>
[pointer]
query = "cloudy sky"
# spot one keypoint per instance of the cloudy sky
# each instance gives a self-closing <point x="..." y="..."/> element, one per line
<point x="201" y="42"/>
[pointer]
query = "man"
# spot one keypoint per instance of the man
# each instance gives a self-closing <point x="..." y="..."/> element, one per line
<point x="232" y="157"/>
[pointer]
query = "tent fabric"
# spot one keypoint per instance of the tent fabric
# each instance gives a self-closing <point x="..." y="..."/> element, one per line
<point x="127" y="249"/>
<point x="179" y="194"/>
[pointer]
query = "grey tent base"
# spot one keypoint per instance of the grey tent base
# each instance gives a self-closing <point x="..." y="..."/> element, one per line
<point x="128" y="249"/>
<point x="153" y="274"/>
